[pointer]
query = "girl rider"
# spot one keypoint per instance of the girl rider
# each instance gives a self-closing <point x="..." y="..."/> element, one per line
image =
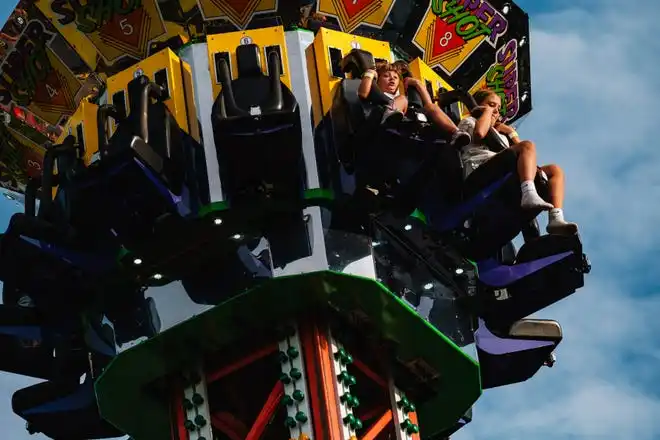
<point x="487" y="116"/>
<point x="388" y="78"/>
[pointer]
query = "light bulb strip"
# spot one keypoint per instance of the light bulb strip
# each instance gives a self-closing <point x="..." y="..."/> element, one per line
<point x="199" y="412"/>
<point x="403" y="414"/>
<point x="343" y="389"/>
<point x="291" y="348"/>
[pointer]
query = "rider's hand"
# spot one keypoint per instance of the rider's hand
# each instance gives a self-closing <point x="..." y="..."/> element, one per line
<point x="504" y="129"/>
<point x="371" y="73"/>
<point x="411" y="82"/>
<point x="479" y="110"/>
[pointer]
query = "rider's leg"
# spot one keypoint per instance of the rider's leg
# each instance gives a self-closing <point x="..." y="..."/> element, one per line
<point x="395" y="110"/>
<point x="459" y="138"/>
<point x="527" y="172"/>
<point x="556" y="222"/>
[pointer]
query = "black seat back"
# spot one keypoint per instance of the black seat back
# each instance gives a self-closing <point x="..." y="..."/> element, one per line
<point x="161" y="146"/>
<point x="258" y="137"/>
<point x="449" y="106"/>
<point x="62" y="157"/>
<point x="252" y="93"/>
<point x="560" y="266"/>
<point x="63" y="409"/>
<point x="517" y="354"/>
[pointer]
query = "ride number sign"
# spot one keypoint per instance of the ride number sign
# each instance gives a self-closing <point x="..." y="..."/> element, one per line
<point x="117" y="29"/>
<point x="452" y="31"/>
<point x="34" y="77"/>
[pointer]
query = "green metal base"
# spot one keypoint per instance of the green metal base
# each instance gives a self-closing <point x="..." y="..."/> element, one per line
<point x="126" y="402"/>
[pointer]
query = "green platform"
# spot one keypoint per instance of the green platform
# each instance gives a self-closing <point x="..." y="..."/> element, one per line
<point x="124" y="402"/>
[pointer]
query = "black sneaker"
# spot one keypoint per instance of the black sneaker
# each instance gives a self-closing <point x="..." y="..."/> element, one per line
<point x="391" y="118"/>
<point x="460" y="139"/>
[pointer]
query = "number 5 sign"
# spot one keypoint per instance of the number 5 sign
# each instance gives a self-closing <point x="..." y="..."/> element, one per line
<point x="126" y="31"/>
<point x="126" y="28"/>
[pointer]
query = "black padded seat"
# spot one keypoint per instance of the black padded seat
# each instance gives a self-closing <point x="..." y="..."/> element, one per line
<point x="27" y="346"/>
<point x="228" y="271"/>
<point x="517" y="354"/>
<point x="70" y="218"/>
<point x="149" y="133"/>
<point x="484" y="208"/>
<point x="63" y="410"/>
<point x="395" y="161"/>
<point x="149" y="172"/>
<point x="42" y="249"/>
<point x="257" y="128"/>
<point x="545" y="271"/>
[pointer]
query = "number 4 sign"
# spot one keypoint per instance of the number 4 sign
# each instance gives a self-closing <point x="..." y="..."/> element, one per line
<point x="52" y="92"/>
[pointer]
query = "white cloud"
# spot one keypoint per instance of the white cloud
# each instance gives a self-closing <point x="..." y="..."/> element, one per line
<point x="596" y="90"/>
<point x="595" y="93"/>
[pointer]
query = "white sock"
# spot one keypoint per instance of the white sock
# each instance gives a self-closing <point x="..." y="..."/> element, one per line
<point x="531" y="199"/>
<point x="556" y="215"/>
<point x="528" y="187"/>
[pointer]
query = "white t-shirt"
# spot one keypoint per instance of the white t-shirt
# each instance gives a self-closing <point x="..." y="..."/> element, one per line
<point x="475" y="153"/>
<point x="391" y="95"/>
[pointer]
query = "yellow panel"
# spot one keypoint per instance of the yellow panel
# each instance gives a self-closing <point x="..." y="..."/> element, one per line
<point x="423" y="72"/>
<point x="86" y="115"/>
<point x="193" y="123"/>
<point x="326" y="39"/>
<point x="165" y="59"/>
<point x="315" y="92"/>
<point x="273" y="36"/>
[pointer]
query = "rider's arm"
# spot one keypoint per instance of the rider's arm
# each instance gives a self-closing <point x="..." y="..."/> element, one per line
<point x="421" y="89"/>
<point x="509" y="132"/>
<point x="482" y="124"/>
<point x="368" y="79"/>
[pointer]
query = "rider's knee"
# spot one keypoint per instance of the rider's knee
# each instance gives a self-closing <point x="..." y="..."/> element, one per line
<point x="526" y="147"/>
<point x="554" y="171"/>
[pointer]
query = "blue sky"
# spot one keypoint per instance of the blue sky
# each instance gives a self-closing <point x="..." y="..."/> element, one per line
<point x="596" y="94"/>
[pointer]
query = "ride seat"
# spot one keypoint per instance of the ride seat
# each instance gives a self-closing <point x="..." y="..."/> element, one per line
<point x="73" y="211"/>
<point x="485" y="207"/>
<point x="146" y="174"/>
<point x="516" y="354"/>
<point x="42" y="249"/>
<point x="63" y="410"/>
<point x="395" y="161"/>
<point x="257" y="128"/>
<point x="149" y="133"/>
<point x="27" y="344"/>
<point x="545" y="271"/>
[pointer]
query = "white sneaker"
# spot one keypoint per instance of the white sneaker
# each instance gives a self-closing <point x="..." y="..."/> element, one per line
<point x="561" y="227"/>
<point x="531" y="200"/>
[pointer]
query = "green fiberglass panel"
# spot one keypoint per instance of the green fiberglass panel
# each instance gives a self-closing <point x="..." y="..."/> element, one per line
<point x="121" y="388"/>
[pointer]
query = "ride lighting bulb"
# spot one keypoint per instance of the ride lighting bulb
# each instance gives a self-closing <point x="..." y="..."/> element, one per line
<point x="217" y="221"/>
<point x="137" y="261"/>
<point x="459" y="271"/>
<point x="407" y="227"/>
<point x="428" y="286"/>
<point x="506" y="9"/>
<point x="157" y="276"/>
